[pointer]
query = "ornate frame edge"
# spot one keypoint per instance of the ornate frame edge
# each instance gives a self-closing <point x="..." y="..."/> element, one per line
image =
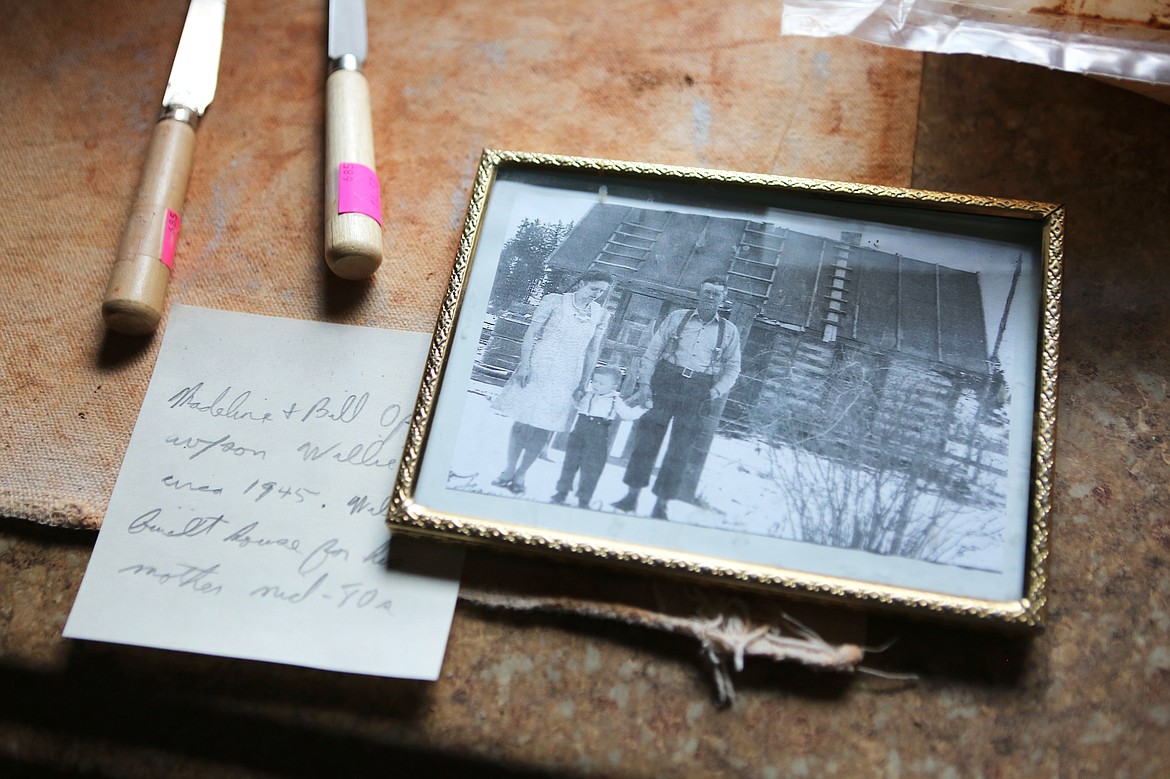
<point x="415" y="519"/>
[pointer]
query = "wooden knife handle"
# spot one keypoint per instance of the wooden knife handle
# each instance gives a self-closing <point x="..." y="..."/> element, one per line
<point x="133" y="303"/>
<point x="353" y="241"/>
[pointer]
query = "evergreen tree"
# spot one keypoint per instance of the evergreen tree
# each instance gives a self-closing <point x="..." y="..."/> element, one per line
<point x="524" y="273"/>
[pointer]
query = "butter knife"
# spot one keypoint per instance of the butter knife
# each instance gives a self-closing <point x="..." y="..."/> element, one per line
<point x="133" y="302"/>
<point x="353" y="201"/>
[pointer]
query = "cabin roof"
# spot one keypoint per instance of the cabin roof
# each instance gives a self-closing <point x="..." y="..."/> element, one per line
<point x="890" y="302"/>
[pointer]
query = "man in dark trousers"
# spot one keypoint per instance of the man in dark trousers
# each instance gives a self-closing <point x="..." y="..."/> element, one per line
<point x="692" y="361"/>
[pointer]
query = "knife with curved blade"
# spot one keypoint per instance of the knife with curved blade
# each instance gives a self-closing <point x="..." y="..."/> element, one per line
<point x="133" y="302"/>
<point x="353" y="201"/>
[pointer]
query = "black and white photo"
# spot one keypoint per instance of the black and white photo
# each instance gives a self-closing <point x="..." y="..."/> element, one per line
<point x="806" y="388"/>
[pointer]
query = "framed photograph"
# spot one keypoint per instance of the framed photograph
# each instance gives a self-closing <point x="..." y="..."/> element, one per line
<point x="828" y="389"/>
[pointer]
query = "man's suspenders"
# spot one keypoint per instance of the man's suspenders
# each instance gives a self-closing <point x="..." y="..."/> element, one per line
<point x="717" y="356"/>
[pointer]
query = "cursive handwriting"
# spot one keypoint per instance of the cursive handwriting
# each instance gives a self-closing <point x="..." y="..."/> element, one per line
<point x="368" y="455"/>
<point x="178" y="484"/>
<point x="243" y="538"/>
<point x="274" y="591"/>
<point x="225" y="444"/>
<point x="385" y="556"/>
<point x="327" y="551"/>
<point x="189" y="576"/>
<point x="188" y="398"/>
<point x="270" y="487"/>
<point x="361" y="504"/>
<point x="354" y="596"/>
<point x="393" y="419"/>
<point x="320" y="573"/>
<point x="373" y="454"/>
<point x="325" y="408"/>
<point x="379" y="556"/>
<point x="197" y="526"/>
<point x="359" y="596"/>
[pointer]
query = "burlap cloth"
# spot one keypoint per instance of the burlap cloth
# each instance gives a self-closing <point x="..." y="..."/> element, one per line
<point x="691" y="83"/>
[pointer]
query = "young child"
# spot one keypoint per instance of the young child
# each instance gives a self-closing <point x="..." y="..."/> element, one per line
<point x="588" y="446"/>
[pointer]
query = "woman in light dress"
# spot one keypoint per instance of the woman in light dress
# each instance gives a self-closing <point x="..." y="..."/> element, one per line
<point x="557" y="357"/>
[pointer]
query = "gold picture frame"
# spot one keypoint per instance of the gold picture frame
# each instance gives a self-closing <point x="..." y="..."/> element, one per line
<point x="887" y="436"/>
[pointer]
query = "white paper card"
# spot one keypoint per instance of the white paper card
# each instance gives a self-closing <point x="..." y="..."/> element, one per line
<point x="248" y="517"/>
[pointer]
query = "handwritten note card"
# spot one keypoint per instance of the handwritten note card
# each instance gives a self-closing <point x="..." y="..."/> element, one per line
<point x="248" y="517"/>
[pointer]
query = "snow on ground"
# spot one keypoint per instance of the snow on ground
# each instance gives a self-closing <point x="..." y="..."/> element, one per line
<point x="734" y="491"/>
<point x="484" y="445"/>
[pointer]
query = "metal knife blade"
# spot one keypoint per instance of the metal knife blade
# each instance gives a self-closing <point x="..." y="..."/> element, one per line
<point x="353" y="201"/>
<point x="196" y="70"/>
<point x="347" y="30"/>
<point x="136" y="291"/>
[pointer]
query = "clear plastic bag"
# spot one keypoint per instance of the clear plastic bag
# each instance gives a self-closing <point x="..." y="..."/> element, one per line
<point x="1123" y="39"/>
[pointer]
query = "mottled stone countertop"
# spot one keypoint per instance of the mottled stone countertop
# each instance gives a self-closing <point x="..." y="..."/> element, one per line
<point x="1089" y="695"/>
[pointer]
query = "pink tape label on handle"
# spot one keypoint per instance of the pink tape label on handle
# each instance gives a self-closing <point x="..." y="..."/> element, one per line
<point x="170" y="238"/>
<point x="358" y="191"/>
